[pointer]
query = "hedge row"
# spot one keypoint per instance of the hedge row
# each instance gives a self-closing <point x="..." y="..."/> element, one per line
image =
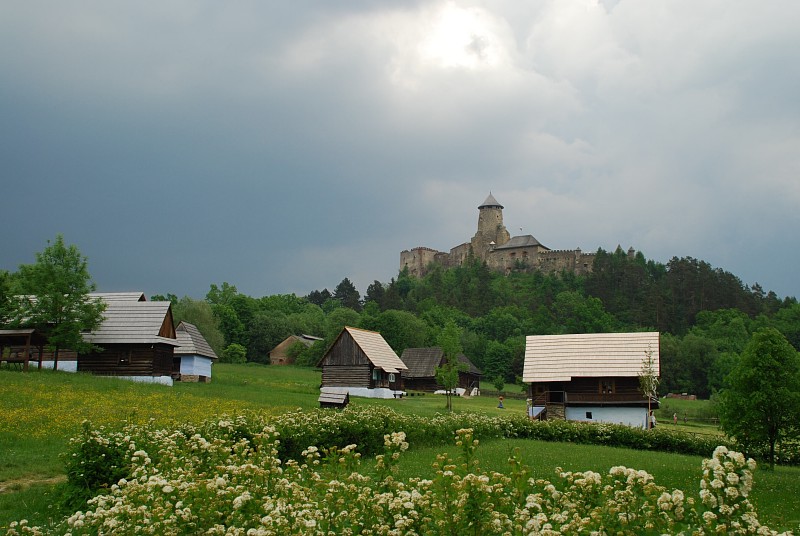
<point x="98" y="458"/>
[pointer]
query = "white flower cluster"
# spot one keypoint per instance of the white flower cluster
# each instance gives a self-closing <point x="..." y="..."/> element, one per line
<point x="226" y="482"/>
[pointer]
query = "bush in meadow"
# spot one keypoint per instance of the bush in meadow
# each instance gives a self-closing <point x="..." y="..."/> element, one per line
<point x="235" y="483"/>
<point x="97" y="459"/>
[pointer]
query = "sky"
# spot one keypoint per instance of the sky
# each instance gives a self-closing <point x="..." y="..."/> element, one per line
<point x="283" y="146"/>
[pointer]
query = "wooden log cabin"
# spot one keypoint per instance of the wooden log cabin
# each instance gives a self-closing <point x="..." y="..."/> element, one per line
<point x="138" y="340"/>
<point x="591" y="377"/>
<point x="421" y="373"/>
<point x="68" y="359"/>
<point x="362" y="363"/>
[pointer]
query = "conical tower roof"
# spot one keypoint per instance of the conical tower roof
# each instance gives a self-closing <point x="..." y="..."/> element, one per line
<point x="490" y="202"/>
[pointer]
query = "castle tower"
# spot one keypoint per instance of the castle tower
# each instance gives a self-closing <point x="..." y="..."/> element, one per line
<point x="491" y="231"/>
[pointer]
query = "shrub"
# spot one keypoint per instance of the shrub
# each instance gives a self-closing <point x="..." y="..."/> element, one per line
<point x="232" y="482"/>
<point x="234" y="353"/>
<point x="97" y="459"/>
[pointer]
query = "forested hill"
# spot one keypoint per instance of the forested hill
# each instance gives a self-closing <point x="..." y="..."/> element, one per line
<point x="706" y="315"/>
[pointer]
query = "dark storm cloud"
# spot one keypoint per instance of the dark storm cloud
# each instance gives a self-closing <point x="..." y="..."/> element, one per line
<point x="282" y="147"/>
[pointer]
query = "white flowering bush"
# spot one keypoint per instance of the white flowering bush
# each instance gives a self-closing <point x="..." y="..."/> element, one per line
<point x="224" y="478"/>
<point x="98" y="458"/>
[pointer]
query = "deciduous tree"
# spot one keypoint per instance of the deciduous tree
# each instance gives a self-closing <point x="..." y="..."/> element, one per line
<point x="5" y="297"/>
<point x="53" y="297"/>
<point x="761" y="401"/>
<point x="199" y="313"/>
<point x="234" y="353"/>
<point x="648" y="379"/>
<point x="447" y="374"/>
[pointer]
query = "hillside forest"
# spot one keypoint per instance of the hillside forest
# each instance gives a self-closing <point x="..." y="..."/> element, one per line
<point x="705" y="315"/>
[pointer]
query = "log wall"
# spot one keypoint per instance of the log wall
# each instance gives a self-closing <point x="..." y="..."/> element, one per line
<point x="128" y="360"/>
<point x="346" y="376"/>
<point x="345" y="352"/>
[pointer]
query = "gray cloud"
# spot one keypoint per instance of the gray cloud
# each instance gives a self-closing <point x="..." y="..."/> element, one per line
<point x="283" y="147"/>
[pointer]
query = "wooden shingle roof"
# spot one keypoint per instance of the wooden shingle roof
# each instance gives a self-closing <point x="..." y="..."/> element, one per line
<point x="422" y="362"/>
<point x="109" y="297"/>
<point x="551" y="358"/>
<point x="192" y="341"/>
<point x="377" y="349"/>
<point x="133" y="322"/>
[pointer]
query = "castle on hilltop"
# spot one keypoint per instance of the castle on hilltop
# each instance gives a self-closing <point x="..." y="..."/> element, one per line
<point x="501" y="252"/>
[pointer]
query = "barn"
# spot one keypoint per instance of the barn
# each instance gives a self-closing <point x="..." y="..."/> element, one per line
<point x="194" y="357"/>
<point x="421" y="373"/>
<point x="591" y="377"/>
<point x="138" y="340"/>
<point x="362" y="363"/>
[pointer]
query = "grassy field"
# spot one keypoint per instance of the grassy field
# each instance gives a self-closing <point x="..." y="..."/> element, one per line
<point x="41" y="410"/>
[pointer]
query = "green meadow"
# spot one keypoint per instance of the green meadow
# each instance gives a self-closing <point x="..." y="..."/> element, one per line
<point x="40" y="411"/>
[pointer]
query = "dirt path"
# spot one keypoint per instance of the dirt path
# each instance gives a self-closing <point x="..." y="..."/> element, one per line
<point x="10" y="486"/>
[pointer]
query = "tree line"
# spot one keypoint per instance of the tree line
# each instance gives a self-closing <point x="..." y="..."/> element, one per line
<point x="706" y="315"/>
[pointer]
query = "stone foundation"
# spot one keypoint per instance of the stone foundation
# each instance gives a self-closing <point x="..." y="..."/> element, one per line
<point x="194" y="378"/>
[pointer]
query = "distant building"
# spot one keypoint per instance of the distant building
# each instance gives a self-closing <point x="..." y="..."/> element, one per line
<point x="280" y="354"/>
<point x="493" y="244"/>
<point x="590" y="377"/>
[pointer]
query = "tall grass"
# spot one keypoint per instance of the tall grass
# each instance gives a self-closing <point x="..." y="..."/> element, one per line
<point x="41" y="410"/>
<point x="776" y="494"/>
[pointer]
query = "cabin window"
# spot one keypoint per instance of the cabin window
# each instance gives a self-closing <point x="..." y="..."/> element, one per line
<point x="376" y="374"/>
<point x="391" y="378"/>
<point x="125" y="359"/>
<point x="606" y="387"/>
<point x="589" y="415"/>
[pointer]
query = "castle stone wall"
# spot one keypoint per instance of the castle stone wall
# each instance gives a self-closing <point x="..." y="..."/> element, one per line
<point x="491" y="234"/>
<point x="417" y="260"/>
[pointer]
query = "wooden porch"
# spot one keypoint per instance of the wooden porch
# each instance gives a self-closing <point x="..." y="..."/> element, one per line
<point x="17" y="347"/>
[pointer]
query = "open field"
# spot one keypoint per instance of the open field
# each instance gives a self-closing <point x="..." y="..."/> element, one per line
<point x="41" y="410"/>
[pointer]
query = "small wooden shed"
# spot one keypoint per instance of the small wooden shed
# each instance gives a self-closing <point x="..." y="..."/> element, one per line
<point x="361" y="363"/>
<point x="331" y="398"/>
<point x="194" y="357"/>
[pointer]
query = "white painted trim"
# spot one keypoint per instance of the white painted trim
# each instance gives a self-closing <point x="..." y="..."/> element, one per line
<point x="629" y="416"/>
<point x="364" y="392"/>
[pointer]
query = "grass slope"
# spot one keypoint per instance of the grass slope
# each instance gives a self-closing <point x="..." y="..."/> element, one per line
<point x="41" y="410"/>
